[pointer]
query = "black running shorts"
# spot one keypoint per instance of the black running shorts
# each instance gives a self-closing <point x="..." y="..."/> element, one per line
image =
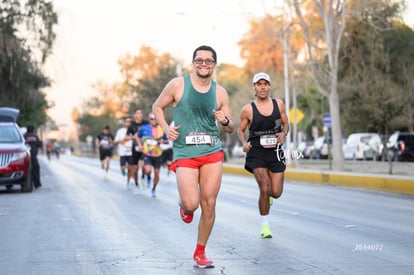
<point x="104" y="153"/>
<point x="153" y="161"/>
<point x="124" y="160"/>
<point x="136" y="156"/>
<point x="274" y="160"/>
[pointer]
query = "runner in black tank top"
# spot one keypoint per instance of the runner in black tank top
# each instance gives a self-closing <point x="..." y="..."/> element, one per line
<point x="268" y="126"/>
<point x="261" y="137"/>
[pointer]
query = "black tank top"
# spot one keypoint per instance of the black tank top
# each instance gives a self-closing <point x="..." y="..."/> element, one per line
<point x="264" y="125"/>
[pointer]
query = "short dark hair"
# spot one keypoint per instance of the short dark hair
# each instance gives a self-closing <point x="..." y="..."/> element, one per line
<point x="205" y="48"/>
<point x="30" y="128"/>
<point x="137" y="109"/>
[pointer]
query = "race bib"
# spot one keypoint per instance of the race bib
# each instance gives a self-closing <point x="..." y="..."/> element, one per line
<point x="104" y="142"/>
<point x="268" y="141"/>
<point x="151" y="142"/>
<point x="128" y="146"/>
<point x="198" y="139"/>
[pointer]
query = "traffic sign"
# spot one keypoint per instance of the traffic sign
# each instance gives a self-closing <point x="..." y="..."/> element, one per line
<point x="327" y="120"/>
<point x="299" y="115"/>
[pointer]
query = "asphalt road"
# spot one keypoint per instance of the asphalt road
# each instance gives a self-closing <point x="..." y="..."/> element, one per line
<point x="81" y="223"/>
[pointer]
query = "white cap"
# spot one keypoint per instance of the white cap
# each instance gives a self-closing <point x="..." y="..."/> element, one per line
<point x="259" y="76"/>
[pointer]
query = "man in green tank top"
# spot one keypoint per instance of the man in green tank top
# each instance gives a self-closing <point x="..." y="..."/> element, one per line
<point x="199" y="106"/>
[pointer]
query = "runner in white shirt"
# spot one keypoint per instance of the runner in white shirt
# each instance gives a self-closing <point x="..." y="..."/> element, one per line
<point x="124" y="151"/>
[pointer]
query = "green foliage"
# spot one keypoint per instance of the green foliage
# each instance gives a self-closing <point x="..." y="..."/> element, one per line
<point x="142" y="91"/>
<point x="375" y="84"/>
<point x="314" y="105"/>
<point x="375" y="74"/>
<point x="105" y="110"/>
<point x="149" y="88"/>
<point x="92" y="125"/>
<point x="21" y="76"/>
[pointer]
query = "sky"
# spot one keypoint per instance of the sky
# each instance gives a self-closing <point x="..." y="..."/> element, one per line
<point x="92" y="35"/>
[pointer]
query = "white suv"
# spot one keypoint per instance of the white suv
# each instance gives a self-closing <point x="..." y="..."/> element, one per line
<point x="362" y="146"/>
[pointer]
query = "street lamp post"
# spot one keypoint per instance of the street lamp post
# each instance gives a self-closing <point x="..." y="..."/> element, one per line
<point x="286" y="78"/>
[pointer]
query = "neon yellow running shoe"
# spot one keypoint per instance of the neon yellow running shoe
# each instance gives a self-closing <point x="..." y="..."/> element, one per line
<point x="270" y="200"/>
<point x="265" y="233"/>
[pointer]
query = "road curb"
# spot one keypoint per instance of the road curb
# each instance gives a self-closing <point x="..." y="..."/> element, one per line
<point x="387" y="183"/>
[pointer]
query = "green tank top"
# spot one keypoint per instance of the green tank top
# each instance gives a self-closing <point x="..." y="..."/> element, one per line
<point x="199" y="135"/>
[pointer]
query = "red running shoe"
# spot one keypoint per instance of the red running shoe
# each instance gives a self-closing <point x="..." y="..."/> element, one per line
<point x="186" y="217"/>
<point x="202" y="262"/>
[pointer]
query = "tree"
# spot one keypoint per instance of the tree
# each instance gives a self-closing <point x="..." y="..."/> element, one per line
<point x="377" y="64"/>
<point x="233" y="79"/>
<point x="21" y="57"/>
<point x="263" y="49"/>
<point x="147" y="73"/>
<point x="313" y="104"/>
<point x="144" y="75"/>
<point x="262" y="46"/>
<point x="325" y="41"/>
<point x="106" y="108"/>
<point x="92" y="125"/>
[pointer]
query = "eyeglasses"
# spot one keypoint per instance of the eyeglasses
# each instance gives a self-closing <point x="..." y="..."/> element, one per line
<point x="207" y="61"/>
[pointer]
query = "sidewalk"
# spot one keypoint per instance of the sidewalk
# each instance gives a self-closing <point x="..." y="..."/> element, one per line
<point x="361" y="174"/>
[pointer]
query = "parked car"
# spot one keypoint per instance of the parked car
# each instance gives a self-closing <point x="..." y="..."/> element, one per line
<point x="319" y="149"/>
<point x="15" y="162"/>
<point x="402" y="145"/>
<point x="305" y="147"/>
<point x="375" y="148"/>
<point x="362" y="146"/>
<point x="322" y="148"/>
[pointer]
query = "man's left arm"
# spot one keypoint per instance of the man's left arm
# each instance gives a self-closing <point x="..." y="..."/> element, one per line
<point x="284" y="118"/>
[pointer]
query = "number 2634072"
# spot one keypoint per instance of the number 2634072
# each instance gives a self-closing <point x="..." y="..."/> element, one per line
<point x="368" y="247"/>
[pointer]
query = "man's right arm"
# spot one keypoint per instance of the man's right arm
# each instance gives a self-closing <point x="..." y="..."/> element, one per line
<point x="166" y="98"/>
<point x="244" y="123"/>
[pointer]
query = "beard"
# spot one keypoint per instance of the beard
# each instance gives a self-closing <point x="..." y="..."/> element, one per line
<point x="203" y="75"/>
